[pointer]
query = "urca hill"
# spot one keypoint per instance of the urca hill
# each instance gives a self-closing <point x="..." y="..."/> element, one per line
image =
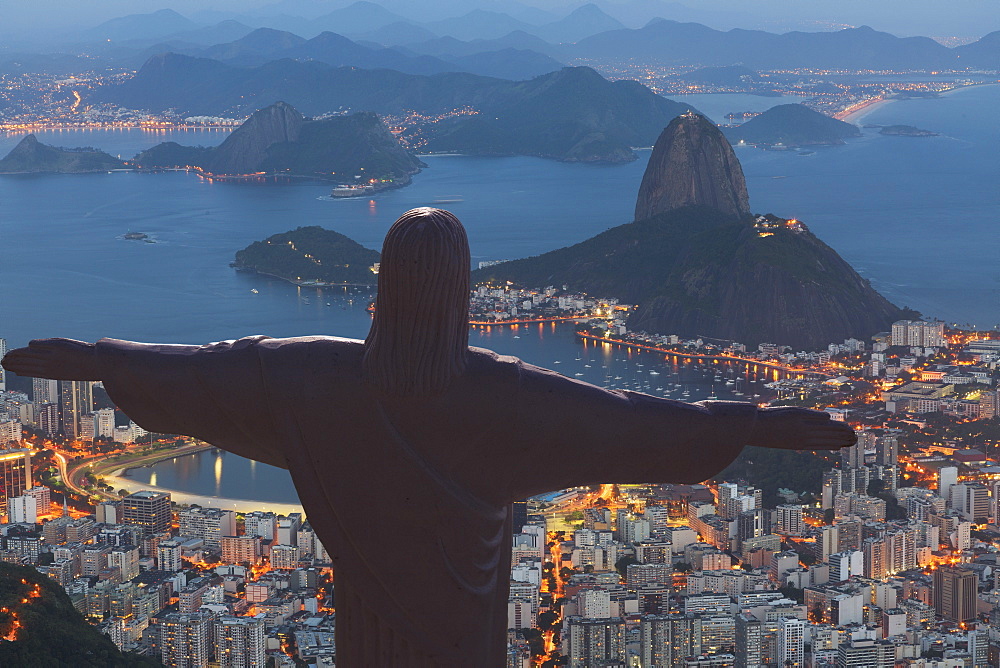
<point x="280" y="140"/>
<point x="697" y="263"/>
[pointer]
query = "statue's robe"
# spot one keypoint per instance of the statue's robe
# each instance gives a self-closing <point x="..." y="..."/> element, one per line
<point x="411" y="496"/>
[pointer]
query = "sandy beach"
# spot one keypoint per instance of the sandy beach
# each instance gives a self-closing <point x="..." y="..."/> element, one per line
<point x="239" y="505"/>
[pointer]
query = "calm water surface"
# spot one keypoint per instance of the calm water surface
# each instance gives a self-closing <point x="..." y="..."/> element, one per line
<point x="917" y="216"/>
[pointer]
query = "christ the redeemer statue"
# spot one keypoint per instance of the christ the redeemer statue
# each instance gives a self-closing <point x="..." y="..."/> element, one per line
<point x="408" y="448"/>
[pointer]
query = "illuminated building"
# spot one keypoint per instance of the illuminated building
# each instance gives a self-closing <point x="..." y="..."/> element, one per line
<point x="791" y="642"/>
<point x="239" y="642"/>
<point x="666" y="640"/>
<point x="595" y="642"/>
<point x="3" y="372"/>
<point x="955" y="593"/>
<point x="866" y="654"/>
<point x="240" y="549"/>
<point x="44" y="391"/>
<point x="126" y="559"/>
<point x="185" y="640"/>
<point x="790" y="520"/>
<point x="168" y="556"/>
<point x="47" y="415"/>
<point x="76" y="399"/>
<point x="23" y="509"/>
<point x="150" y="510"/>
<point x="15" y="474"/>
<point x="285" y="557"/>
<point x="749" y="642"/>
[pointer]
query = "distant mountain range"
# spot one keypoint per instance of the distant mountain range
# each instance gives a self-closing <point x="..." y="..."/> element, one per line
<point x="585" y="32"/>
<point x="265" y="44"/>
<point x="852" y="48"/>
<point x="572" y="114"/>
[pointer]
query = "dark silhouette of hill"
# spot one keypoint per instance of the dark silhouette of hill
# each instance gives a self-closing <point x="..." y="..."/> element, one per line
<point x="792" y="125"/>
<point x="32" y="156"/>
<point x="984" y="53"/>
<point x="311" y="253"/>
<point x="154" y="25"/>
<point x="49" y="630"/>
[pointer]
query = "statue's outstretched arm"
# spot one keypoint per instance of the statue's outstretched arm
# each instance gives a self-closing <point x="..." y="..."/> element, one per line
<point x="589" y="435"/>
<point x="215" y="393"/>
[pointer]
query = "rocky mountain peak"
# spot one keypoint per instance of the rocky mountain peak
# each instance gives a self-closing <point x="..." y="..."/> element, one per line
<point x="245" y="149"/>
<point x="692" y="164"/>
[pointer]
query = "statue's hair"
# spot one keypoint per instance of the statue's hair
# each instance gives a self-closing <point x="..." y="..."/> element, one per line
<point x="419" y="337"/>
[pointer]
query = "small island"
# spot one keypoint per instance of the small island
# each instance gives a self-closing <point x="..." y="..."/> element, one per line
<point x="906" y="131"/>
<point x="311" y="256"/>
<point x="31" y="156"/>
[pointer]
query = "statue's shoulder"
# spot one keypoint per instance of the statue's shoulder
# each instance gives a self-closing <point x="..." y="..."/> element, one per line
<point x="482" y="360"/>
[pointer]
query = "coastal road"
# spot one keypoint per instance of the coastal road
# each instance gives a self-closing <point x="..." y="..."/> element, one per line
<point x="74" y="477"/>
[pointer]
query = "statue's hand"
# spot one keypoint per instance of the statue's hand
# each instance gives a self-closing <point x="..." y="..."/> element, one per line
<point x="793" y="428"/>
<point x="58" y="359"/>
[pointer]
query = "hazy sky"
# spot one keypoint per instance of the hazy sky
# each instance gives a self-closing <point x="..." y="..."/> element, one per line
<point x="904" y="17"/>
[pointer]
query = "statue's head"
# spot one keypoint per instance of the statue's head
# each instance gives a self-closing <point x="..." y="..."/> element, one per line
<point x="420" y="334"/>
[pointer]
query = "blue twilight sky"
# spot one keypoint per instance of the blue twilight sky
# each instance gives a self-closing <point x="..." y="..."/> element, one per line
<point x="936" y="18"/>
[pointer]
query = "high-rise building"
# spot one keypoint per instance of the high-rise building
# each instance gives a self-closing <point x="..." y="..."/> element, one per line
<point x="104" y="423"/>
<point x="23" y="509"/>
<point x="947" y="478"/>
<point x="239" y="642"/>
<point x="791" y="642"/>
<point x="596" y="642"/>
<point x="126" y="559"/>
<point x="44" y="391"/>
<point x="3" y="372"/>
<point x="76" y="399"/>
<point x="209" y="524"/>
<point x="790" y="521"/>
<point x="185" y="639"/>
<point x="150" y="510"/>
<point x="47" y="415"/>
<point x="749" y="642"/>
<point x="15" y="474"/>
<point x="168" y="556"/>
<point x="887" y="450"/>
<point x="955" y="593"/>
<point x="666" y="640"/>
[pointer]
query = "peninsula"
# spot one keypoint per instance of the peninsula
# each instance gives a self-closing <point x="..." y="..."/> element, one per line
<point x="31" y="156"/>
<point x="698" y="264"/>
<point x="792" y="125"/>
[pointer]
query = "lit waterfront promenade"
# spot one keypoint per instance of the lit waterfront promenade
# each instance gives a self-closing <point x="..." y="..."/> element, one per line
<point x="755" y="364"/>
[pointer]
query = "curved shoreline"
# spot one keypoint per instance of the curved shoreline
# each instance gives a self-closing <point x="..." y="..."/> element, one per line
<point x="115" y="477"/>
<point x="224" y="503"/>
